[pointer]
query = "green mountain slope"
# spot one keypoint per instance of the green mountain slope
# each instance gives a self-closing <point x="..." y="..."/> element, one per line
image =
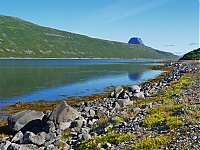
<point x="193" y="55"/>
<point x="22" y="39"/>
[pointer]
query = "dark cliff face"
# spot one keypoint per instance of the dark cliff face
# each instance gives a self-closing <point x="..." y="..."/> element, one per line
<point x="135" y="40"/>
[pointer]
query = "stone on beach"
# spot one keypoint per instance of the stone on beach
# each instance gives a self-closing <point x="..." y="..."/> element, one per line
<point x="124" y="102"/>
<point x="62" y="115"/>
<point x="25" y="120"/>
<point x="134" y="89"/>
<point x="118" y="91"/>
<point x="4" y="145"/>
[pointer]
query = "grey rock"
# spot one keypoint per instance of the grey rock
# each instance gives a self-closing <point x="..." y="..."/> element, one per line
<point x="99" y="145"/>
<point x="17" y="137"/>
<point x="31" y="138"/>
<point x="25" y="120"/>
<point x="118" y="91"/>
<point x="92" y="113"/>
<point x="116" y="105"/>
<point x="61" y="144"/>
<point x="85" y="130"/>
<point x="134" y="89"/>
<point x="40" y="138"/>
<point x="4" y="144"/>
<point x="50" y="127"/>
<point x="154" y="104"/>
<point x="124" y="113"/>
<point x="146" y="94"/>
<point x="147" y="106"/>
<point x="76" y="123"/>
<point x="124" y="102"/>
<point x="114" y="118"/>
<point x="90" y="123"/>
<point x="64" y="125"/>
<point x="139" y="95"/>
<point x="87" y="109"/>
<point x="152" y="91"/>
<point x="50" y="138"/>
<point x="28" y="147"/>
<point x="86" y="136"/>
<point x="106" y="128"/>
<point x="112" y="94"/>
<point x="108" y="145"/>
<point x="136" y="109"/>
<point x="126" y="95"/>
<point x="194" y="138"/>
<point x="14" y="146"/>
<point x="62" y="114"/>
<point x="51" y="147"/>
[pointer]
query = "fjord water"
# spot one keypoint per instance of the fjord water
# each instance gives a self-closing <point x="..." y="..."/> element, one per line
<point x="51" y="79"/>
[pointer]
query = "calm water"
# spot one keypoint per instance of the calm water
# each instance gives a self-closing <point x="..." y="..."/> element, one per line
<point x="28" y="80"/>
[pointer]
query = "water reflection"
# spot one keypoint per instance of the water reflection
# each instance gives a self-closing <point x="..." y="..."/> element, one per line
<point x="135" y="76"/>
<point x="50" y="78"/>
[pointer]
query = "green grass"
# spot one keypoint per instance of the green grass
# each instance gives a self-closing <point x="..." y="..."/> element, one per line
<point x="22" y="39"/>
<point x="151" y="143"/>
<point x="102" y="140"/>
<point x="160" y="119"/>
<point x="193" y="55"/>
<point x="168" y="113"/>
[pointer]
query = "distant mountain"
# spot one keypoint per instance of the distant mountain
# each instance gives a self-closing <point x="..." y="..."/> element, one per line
<point x="22" y="39"/>
<point x="193" y="55"/>
<point x="135" y="40"/>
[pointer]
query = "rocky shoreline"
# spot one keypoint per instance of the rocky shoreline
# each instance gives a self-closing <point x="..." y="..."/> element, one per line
<point x="121" y="121"/>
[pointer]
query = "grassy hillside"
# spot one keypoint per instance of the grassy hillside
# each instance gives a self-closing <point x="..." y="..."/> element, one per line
<point x="22" y="39"/>
<point x="193" y="55"/>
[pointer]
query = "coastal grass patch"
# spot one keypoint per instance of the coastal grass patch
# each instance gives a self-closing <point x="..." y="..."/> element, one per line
<point x="65" y="136"/>
<point x="168" y="113"/>
<point x="149" y="143"/>
<point x="162" y="119"/>
<point x="99" y="142"/>
<point x="193" y="114"/>
<point x="169" y="108"/>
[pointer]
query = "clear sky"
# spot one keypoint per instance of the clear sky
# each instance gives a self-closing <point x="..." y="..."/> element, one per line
<point x="169" y="25"/>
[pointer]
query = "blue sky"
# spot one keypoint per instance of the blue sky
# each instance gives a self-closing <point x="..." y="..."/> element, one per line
<point x="169" y="25"/>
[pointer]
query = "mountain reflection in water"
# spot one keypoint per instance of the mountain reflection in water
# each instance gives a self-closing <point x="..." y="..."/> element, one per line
<point x="135" y="76"/>
<point x="27" y="80"/>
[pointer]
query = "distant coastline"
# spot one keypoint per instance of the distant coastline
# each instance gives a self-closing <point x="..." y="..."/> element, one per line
<point x="84" y="58"/>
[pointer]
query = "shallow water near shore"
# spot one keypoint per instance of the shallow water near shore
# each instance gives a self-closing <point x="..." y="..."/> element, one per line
<point x="25" y="80"/>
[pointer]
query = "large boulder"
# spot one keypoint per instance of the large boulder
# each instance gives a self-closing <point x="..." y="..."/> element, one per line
<point x="62" y="115"/>
<point x="134" y="89"/>
<point x="25" y="120"/>
<point x="118" y="92"/>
